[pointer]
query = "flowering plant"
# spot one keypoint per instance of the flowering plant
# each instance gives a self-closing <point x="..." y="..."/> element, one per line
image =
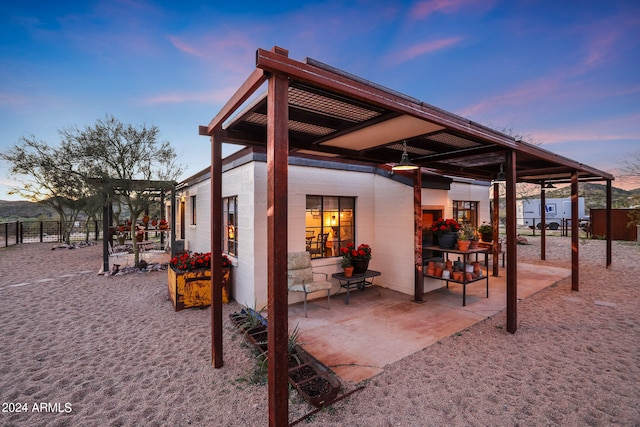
<point x="194" y="261"/>
<point x="467" y="232"/>
<point x="442" y="226"/>
<point x="350" y="253"/>
<point x="485" y="228"/>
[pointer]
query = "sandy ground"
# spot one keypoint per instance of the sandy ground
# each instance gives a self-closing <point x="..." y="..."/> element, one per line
<point x="103" y="351"/>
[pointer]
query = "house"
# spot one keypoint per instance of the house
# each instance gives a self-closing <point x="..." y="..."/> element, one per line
<point x="311" y="107"/>
<point x="347" y="202"/>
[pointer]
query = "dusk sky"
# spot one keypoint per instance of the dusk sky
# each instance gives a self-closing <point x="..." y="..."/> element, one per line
<point x="565" y="74"/>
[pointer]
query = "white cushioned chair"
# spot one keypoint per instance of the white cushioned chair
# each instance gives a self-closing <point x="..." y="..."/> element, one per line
<point x="300" y="277"/>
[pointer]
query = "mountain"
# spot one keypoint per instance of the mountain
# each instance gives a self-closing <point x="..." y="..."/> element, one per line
<point x="19" y="210"/>
<point x="595" y="196"/>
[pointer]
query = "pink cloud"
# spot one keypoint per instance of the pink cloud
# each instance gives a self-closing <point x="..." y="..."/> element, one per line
<point x="424" y="9"/>
<point x="184" y="47"/>
<point x="422" y="48"/>
<point x="211" y="97"/>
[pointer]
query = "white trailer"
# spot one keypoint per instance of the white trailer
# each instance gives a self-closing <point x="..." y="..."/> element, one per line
<point x="556" y="210"/>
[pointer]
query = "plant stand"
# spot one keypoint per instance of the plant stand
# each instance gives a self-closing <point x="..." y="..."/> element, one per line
<point x="465" y="261"/>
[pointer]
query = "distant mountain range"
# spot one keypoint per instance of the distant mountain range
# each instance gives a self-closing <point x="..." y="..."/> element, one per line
<point x="594" y="195"/>
<point x="19" y="210"/>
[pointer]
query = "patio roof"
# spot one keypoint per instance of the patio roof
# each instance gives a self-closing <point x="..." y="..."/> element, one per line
<point x="335" y="114"/>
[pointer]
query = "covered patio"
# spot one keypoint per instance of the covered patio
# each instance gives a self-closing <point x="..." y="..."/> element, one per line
<point x="380" y="326"/>
<point x="317" y="110"/>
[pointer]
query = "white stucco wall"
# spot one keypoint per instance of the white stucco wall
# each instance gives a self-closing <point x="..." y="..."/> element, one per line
<point x="384" y="220"/>
<point x="197" y="236"/>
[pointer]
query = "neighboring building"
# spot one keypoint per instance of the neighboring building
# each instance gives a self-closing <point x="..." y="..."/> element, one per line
<point x="342" y="202"/>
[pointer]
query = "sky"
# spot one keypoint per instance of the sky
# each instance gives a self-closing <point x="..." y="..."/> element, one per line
<point x="563" y="74"/>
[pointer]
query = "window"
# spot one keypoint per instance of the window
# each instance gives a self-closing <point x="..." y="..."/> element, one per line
<point x="330" y="224"/>
<point x="465" y="212"/>
<point x="193" y="210"/>
<point x="230" y="225"/>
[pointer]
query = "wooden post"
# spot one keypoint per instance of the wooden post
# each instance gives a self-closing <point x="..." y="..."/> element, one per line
<point x="575" y="233"/>
<point x="512" y="272"/>
<point x="216" y="248"/>
<point x="277" y="248"/>
<point x="106" y="238"/>
<point x="609" y="200"/>
<point x="543" y="221"/>
<point x="417" y="215"/>
<point x="496" y="228"/>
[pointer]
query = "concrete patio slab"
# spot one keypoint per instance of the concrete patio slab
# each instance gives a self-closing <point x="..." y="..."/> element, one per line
<point x="381" y="326"/>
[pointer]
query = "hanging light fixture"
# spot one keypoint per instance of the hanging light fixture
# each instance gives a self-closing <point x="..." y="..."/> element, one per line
<point x="500" y="176"/>
<point x="549" y="185"/>
<point x="405" y="164"/>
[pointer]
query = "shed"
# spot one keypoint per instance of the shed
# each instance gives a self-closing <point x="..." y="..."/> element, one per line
<point x="620" y="229"/>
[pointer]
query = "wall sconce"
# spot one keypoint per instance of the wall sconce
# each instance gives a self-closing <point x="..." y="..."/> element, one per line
<point x="405" y="164"/>
<point x="500" y="176"/>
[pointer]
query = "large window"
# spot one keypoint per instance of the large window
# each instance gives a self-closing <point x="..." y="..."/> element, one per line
<point x="230" y="225"/>
<point x="330" y="224"/>
<point x="465" y="212"/>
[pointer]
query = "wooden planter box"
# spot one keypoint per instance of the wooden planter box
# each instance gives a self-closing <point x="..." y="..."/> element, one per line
<point x="193" y="288"/>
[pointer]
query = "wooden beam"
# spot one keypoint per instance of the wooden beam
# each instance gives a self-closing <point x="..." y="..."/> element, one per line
<point x="512" y="270"/>
<point x="277" y="248"/>
<point x="216" y="248"/>
<point x="575" y="234"/>
<point x="417" y="216"/>
<point x="243" y="93"/>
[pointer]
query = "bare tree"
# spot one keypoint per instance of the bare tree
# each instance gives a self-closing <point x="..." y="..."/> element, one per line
<point x="630" y="167"/>
<point x="126" y="160"/>
<point x="51" y="177"/>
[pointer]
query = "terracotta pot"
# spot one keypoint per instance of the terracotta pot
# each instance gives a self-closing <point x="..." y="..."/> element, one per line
<point x="469" y="276"/>
<point x="476" y="267"/>
<point x="438" y="272"/>
<point x="473" y="244"/>
<point x="431" y="265"/>
<point x="431" y="271"/>
<point x="463" y="245"/>
<point x="348" y="271"/>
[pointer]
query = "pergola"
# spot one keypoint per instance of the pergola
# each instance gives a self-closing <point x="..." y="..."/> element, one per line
<point x="154" y="189"/>
<point x="312" y="108"/>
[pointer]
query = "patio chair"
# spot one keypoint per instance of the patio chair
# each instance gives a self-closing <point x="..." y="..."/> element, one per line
<point x="300" y="277"/>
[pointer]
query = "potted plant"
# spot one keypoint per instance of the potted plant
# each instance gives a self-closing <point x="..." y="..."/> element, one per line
<point x="163" y="224"/>
<point x="486" y="232"/>
<point x="358" y="257"/>
<point x="347" y="268"/>
<point x="189" y="280"/>
<point x="445" y="230"/>
<point x="465" y="234"/>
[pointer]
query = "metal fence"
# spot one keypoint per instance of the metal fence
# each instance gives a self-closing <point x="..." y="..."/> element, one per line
<point x="12" y="233"/>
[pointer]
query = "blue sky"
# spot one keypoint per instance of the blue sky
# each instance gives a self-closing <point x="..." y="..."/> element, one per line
<point x="565" y="74"/>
